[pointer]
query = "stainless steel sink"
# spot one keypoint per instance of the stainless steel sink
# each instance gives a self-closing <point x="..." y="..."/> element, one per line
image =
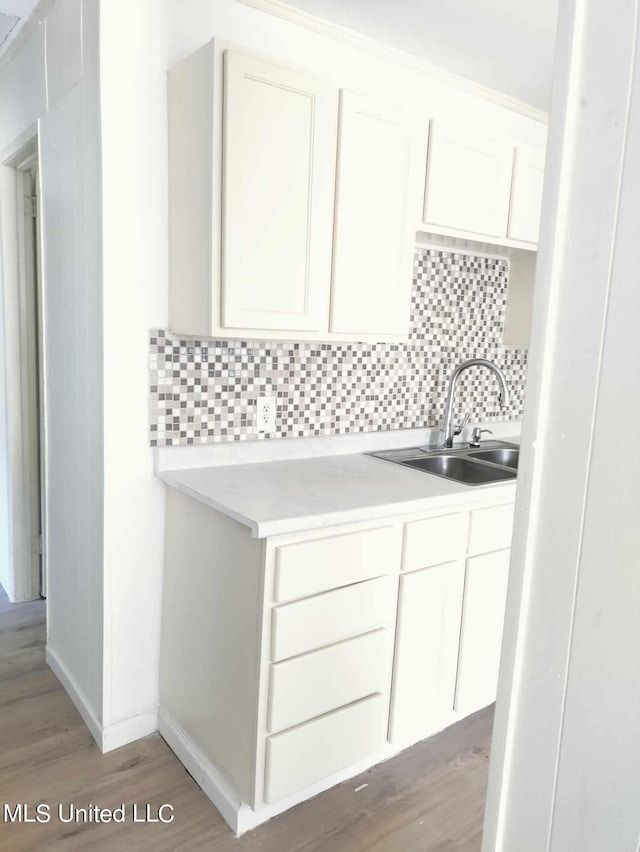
<point x="495" y="461"/>
<point x="504" y="456"/>
<point x="461" y="469"/>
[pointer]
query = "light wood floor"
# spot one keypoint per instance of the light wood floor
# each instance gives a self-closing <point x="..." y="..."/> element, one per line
<point x="429" y="798"/>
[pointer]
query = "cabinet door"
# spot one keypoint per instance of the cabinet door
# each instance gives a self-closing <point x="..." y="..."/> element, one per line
<point x="279" y="148"/>
<point x="468" y="179"/>
<point x="485" y="592"/>
<point x="526" y="194"/>
<point x="428" y="633"/>
<point x="377" y="204"/>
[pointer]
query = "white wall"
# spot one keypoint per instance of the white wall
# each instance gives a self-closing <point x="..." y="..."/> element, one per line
<point x="505" y="44"/>
<point x="191" y="23"/>
<point x="105" y="507"/>
<point x="22" y="100"/>
<point x="50" y="85"/>
<point x="134" y="166"/>
<point x="6" y="568"/>
<point x="566" y="748"/>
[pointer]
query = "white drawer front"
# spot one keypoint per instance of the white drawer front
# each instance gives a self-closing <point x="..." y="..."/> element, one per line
<point x="434" y="541"/>
<point x="319" y="748"/>
<point x="315" y="683"/>
<point x="308" y="567"/>
<point x="314" y="622"/>
<point x="491" y="529"/>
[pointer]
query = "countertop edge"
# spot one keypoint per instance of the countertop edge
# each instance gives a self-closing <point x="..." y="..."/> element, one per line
<point x="254" y="526"/>
<point x="306" y="523"/>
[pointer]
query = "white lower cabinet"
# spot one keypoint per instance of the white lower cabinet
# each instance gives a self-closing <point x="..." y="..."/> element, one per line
<point x="450" y="620"/>
<point x="426" y="657"/>
<point x="485" y="594"/>
<point x="313" y="654"/>
<point x="490" y="529"/>
<point x="310" y="752"/>
<point x="327" y="618"/>
<point x="315" y="683"/>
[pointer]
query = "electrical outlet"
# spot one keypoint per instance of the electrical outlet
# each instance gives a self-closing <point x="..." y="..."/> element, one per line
<point x="266" y="414"/>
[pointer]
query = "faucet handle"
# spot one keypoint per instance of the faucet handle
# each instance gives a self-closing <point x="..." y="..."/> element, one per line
<point x="461" y="426"/>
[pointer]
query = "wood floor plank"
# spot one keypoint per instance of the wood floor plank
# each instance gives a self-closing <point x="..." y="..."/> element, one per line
<point x="428" y="799"/>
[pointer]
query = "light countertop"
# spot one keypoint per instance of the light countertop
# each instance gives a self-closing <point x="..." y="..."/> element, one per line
<point x="273" y="498"/>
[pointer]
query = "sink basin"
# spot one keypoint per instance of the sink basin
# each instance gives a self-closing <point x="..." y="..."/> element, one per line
<point x="494" y="461"/>
<point x="504" y="456"/>
<point x="461" y="469"/>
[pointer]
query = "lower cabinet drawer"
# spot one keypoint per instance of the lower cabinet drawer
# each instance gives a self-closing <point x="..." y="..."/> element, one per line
<point x="319" y="748"/>
<point x="314" y="622"/>
<point x="330" y="561"/>
<point x="434" y="541"/>
<point x="491" y="529"/>
<point x="308" y="686"/>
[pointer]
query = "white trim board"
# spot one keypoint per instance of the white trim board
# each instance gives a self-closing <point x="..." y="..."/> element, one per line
<point x="129" y="730"/>
<point x="75" y="693"/>
<point x="112" y="736"/>
<point x="203" y="772"/>
<point x="400" y="57"/>
<point x="15" y="305"/>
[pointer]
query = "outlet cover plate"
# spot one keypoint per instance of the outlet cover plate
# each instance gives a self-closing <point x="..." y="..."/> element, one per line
<point x="266" y="414"/>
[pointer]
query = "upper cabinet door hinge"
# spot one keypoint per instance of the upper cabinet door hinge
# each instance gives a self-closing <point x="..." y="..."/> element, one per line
<point x="31" y="206"/>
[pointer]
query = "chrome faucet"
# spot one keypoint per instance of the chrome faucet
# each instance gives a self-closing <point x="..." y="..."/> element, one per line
<point x="447" y="428"/>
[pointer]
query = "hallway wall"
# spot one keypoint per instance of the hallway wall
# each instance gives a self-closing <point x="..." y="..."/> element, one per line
<point x="49" y="85"/>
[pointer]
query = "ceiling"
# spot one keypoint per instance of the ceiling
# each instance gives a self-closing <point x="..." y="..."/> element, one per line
<point x="13" y="14"/>
<point x="507" y="45"/>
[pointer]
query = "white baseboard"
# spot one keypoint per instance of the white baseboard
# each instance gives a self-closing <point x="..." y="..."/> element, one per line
<point x="76" y="694"/>
<point x="107" y="737"/>
<point x="203" y="772"/>
<point x="238" y="814"/>
<point x="129" y="730"/>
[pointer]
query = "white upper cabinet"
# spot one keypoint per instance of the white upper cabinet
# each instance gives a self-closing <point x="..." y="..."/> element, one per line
<point x="468" y="179"/>
<point x="378" y="189"/>
<point x="279" y="141"/>
<point x="286" y="223"/>
<point x="526" y="194"/>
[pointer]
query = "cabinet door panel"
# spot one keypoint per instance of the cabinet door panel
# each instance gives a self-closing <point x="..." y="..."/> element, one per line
<point x="468" y="180"/>
<point x="377" y="204"/>
<point x="428" y="631"/>
<point x="278" y="176"/>
<point x="485" y="592"/>
<point x="526" y="194"/>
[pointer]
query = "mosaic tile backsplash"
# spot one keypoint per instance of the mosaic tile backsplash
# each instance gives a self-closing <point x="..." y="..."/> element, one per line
<point x="204" y="391"/>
